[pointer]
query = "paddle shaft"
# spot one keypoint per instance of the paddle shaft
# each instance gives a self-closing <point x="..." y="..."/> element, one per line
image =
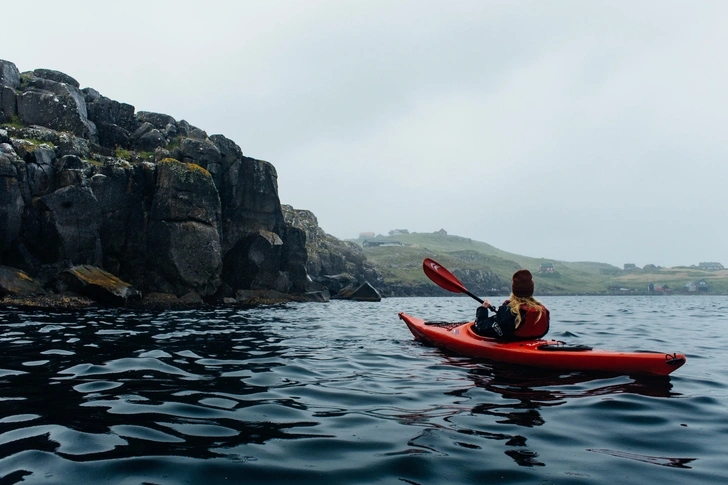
<point x="471" y="295"/>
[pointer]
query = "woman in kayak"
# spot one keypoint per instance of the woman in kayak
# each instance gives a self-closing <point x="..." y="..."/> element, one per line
<point x="521" y="317"/>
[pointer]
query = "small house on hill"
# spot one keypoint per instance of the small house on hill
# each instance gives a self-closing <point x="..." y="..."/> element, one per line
<point x="699" y="285"/>
<point x="546" y="268"/>
<point x="710" y="266"/>
<point x="663" y="289"/>
<point x="630" y="266"/>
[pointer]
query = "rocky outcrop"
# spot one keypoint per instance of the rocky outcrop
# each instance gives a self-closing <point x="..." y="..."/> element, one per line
<point x="365" y="292"/>
<point x="53" y="99"/>
<point x="156" y="202"/>
<point x="336" y="265"/>
<point x="98" y="285"/>
<point x="16" y="283"/>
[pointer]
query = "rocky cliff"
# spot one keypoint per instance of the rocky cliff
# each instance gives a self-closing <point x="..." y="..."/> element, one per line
<point x="156" y="202"/>
<point x="337" y="265"/>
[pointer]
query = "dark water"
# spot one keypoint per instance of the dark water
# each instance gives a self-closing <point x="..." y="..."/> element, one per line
<point x="341" y="393"/>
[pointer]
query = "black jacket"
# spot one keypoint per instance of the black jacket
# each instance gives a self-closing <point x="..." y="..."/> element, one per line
<point x="501" y="325"/>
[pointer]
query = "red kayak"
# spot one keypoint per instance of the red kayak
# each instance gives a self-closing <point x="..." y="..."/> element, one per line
<point x="549" y="354"/>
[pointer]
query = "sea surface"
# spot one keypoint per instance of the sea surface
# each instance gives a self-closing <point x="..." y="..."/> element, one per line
<point x="340" y="393"/>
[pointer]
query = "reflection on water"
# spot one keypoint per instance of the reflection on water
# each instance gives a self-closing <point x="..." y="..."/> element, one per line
<point x="342" y="391"/>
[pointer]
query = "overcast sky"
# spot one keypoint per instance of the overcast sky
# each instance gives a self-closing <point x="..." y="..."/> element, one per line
<point x="573" y="130"/>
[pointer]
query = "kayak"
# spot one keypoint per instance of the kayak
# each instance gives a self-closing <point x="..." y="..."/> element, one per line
<point x="548" y="354"/>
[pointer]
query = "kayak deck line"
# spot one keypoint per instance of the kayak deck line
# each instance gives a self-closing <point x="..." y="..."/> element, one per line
<point x="459" y="337"/>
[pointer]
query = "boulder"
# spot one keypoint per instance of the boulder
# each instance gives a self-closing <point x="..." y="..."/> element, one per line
<point x="40" y="170"/>
<point x="67" y="144"/>
<point x="254" y="263"/>
<point x="192" y="299"/>
<point x="43" y="154"/>
<point x="16" y="283"/>
<point x="104" y="110"/>
<point x="183" y="256"/>
<point x="147" y="138"/>
<point x="55" y="105"/>
<point x="157" y="120"/>
<point x="56" y="76"/>
<point x="113" y="136"/>
<point x="41" y="177"/>
<point x="98" y="285"/>
<point x="149" y="141"/>
<point x="365" y="292"/>
<point x="115" y="121"/>
<point x="335" y="284"/>
<point x="170" y="131"/>
<point x="9" y="74"/>
<point x="203" y="153"/>
<point x="69" y="172"/>
<point x="185" y="191"/>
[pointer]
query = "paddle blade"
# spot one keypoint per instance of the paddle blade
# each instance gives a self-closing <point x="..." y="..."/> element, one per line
<point x="442" y="277"/>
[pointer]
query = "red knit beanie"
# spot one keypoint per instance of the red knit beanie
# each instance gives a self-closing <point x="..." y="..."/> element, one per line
<point x="522" y="283"/>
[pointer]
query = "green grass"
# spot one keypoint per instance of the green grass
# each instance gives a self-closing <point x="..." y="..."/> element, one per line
<point x="402" y="265"/>
<point x="37" y="142"/>
<point x="13" y="123"/>
<point x="123" y="154"/>
<point x="132" y="156"/>
<point x="174" y="143"/>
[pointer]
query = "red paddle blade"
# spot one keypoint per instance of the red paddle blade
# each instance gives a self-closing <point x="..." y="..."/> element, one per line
<point x="442" y="277"/>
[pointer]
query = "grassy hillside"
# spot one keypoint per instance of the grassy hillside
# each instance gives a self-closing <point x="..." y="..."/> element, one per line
<point x="402" y="265"/>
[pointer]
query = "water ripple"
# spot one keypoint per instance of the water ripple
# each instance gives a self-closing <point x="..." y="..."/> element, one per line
<point x="341" y="393"/>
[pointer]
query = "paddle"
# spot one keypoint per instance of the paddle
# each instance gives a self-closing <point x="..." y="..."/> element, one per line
<point x="445" y="279"/>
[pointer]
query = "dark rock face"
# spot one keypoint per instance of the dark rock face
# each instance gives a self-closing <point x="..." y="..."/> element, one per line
<point x="183" y="231"/>
<point x="12" y="203"/>
<point x="64" y="225"/>
<point x="9" y="81"/>
<point x="114" y="121"/>
<point x="85" y="182"/>
<point x="481" y="282"/>
<point x="154" y="201"/>
<point x="9" y="74"/>
<point x="331" y="263"/>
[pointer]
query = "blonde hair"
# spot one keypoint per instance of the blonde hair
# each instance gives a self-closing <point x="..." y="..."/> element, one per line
<point x="516" y="302"/>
